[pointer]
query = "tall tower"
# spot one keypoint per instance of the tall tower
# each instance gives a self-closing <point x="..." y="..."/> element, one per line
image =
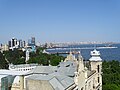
<point x="33" y="40"/>
<point x="80" y="75"/>
<point x="9" y="43"/>
<point x="96" y="65"/>
<point x="80" y="62"/>
<point x="20" y="43"/>
<point x="23" y="43"/>
<point x="12" y="42"/>
<point x="27" y="56"/>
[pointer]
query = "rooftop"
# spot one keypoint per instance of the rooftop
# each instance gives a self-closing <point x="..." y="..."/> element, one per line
<point x="43" y="70"/>
<point x="60" y="77"/>
<point x="22" y="65"/>
<point x="10" y="72"/>
<point x="58" y="82"/>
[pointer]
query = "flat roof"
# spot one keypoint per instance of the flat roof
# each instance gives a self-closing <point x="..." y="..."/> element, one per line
<point x="22" y="65"/>
<point x="10" y="72"/>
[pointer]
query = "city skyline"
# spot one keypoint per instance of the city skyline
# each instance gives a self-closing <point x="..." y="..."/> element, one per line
<point x="60" y="21"/>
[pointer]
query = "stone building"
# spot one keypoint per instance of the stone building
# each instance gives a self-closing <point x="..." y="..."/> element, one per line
<point x="71" y="74"/>
<point x="90" y="79"/>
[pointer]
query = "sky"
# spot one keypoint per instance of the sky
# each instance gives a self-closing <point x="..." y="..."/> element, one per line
<point x="60" y="20"/>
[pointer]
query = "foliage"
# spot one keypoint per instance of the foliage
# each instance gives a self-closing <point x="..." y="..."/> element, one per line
<point x="44" y="59"/>
<point x="3" y="62"/>
<point x="18" y="57"/>
<point x="111" y="75"/>
<point x="111" y="87"/>
<point x="15" y="57"/>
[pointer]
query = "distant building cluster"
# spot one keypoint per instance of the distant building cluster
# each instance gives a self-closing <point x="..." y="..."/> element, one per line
<point x="15" y="43"/>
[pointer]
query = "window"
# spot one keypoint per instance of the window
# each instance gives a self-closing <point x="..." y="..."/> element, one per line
<point x="85" y="87"/>
<point x="98" y="79"/>
<point x="93" y="82"/>
<point x="98" y="68"/>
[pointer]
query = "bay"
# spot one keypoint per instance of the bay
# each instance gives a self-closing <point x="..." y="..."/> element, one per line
<point x="85" y="49"/>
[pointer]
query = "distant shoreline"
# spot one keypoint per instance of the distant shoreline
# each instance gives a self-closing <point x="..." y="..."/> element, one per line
<point x="67" y="48"/>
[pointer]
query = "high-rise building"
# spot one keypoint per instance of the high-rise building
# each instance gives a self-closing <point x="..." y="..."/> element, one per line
<point x="23" y="43"/>
<point x="9" y="43"/>
<point x="31" y="44"/>
<point x="20" y="43"/>
<point x="33" y="40"/>
<point x="13" y="42"/>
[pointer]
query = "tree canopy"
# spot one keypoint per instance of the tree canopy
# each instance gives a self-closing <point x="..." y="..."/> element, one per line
<point x="111" y="75"/>
<point x="18" y="57"/>
<point x="45" y="59"/>
<point x="3" y="62"/>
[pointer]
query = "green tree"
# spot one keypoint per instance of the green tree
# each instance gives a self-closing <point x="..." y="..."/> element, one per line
<point x="111" y="87"/>
<point x="111" y="75"/>
<point x="15" y="57"/>
<point x="3" y="62"/>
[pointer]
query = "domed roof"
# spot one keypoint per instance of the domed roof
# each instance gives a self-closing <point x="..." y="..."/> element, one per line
<point x="95" y="56"/>
<point x="95" y="53"/>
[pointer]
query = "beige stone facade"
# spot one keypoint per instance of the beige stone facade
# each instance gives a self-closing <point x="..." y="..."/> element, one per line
<point x="38" y="85"/>
<point x="90" y="79"/>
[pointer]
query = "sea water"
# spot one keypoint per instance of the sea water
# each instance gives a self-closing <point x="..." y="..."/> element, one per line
<point x="106" y="53"/>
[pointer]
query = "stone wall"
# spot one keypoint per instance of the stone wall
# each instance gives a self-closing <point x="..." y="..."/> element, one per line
<point x="38" y="85"/>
